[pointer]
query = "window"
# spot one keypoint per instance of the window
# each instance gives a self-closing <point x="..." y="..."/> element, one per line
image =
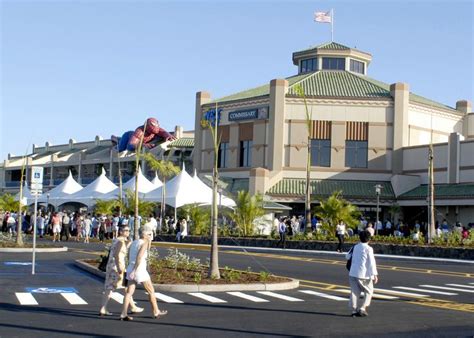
<point x="334" y="63"/>
<point x="321" y="153"/>
<point x="309" y="65"/>
<point x="245" y="153"/>
<point x="357" y="66"/>
<point x="356" y="154"/>
<point x="223" y="156"/>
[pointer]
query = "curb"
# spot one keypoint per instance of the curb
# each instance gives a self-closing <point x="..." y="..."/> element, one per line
<point x="30" y="250"/>
<point x="293" y="284"/>
<point x="318" y="252"/>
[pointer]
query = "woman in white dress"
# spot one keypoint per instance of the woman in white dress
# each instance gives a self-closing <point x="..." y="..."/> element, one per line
<point x="137" y="273"/>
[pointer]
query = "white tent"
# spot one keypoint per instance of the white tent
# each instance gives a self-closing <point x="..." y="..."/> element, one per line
<point x="205" y="189"/>
<point x="156" y="182"/>
<point x="27" y="197"/>
<point x="96" y="190"/>
<point x="144" y="186"/>
<point x="179" y="191"/>
<point x="184" y="189"/>
<point x="64" y="190"/>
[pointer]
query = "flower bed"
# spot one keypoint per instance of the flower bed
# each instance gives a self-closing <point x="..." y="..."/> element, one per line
<point x="179" y="268"/>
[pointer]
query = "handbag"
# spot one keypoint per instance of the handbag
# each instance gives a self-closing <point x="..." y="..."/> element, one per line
<point x="103" y="263"/>
<point x="349" y="261"/>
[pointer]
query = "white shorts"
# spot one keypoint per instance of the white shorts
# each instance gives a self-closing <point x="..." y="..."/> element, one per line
<point x="56" y="229"/>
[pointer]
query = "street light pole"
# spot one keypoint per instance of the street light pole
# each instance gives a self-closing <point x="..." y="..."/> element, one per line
<point x="378" y="189"/>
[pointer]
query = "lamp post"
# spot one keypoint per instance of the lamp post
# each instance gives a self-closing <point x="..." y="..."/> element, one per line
<point x="378" y="189"/>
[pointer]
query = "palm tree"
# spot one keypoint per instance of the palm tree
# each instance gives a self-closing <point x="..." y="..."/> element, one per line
<point x="212" y="123"/>
<point x="105" y="207"/>
<point x="8" y="202"/>
<point x="144" y="207"/>
<point x="335" y="209"/>
<point x="166" y="169"/>
<point x="309" y="126"/>
<point x="247" y="209"/>
<point x="199" y="217"/>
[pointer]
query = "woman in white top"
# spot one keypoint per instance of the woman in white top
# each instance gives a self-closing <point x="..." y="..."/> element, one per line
<point x="137" y="273"/>
<point x="362" y="275"/>
<point x="340" y="232"/>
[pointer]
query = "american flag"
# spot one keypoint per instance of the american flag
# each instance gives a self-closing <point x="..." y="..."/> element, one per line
<point x="324" y="17"/>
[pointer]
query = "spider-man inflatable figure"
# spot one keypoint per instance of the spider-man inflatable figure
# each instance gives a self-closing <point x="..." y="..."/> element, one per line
<point x="154" y="135"/>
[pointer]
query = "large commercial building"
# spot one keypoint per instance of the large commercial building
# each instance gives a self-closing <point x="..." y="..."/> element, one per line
<point x="364" y="133"/>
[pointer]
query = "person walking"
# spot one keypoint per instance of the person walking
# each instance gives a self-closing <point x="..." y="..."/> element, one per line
<point x="87" y="223"/>
<point x="282" y="232"/>
<point x="66" y="227"/>
<point x="115" y="269"/>
<point x="40" y="224"/>
<point x="56" y="225"/>
<point x="362" y="275"/>
<point x="137" y="273"/>
<point x="183" y="230"/>
<point x="340" y="233"/>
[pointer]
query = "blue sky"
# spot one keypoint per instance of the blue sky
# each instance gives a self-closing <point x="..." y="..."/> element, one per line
<point x="76" y="69"/>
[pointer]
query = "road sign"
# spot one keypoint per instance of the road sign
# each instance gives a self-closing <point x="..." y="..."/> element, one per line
<point x="51" y="290"/>
<point x="37" y="175"/>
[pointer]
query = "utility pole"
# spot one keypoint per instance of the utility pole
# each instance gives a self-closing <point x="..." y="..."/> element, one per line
<point x="431" y="218"/>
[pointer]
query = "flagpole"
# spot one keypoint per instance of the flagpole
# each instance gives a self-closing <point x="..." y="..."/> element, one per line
<point x="332" y="24"/>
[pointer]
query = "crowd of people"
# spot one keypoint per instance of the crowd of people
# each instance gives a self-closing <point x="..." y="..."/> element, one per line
<point x="82" y="226"/>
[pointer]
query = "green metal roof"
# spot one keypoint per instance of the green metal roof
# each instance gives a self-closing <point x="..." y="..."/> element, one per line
<point x="325" y="46"/>
<point x="260" y="91"/>
<point x="324" y="188"/>
<point x="184" y="142"/>
<point x="334" y="83"/>
<point x="445" y="191"/>
<point x="338" y="84"/>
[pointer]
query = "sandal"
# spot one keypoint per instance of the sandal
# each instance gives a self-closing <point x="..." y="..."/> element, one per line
<point x="126" y="318"/>
<point x="160" y="314"/>
<point x="105" y="314"/>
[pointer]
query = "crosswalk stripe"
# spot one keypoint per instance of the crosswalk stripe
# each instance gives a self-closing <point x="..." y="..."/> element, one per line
<point x="248" y="297"/>
<point x="375" y="295"/>
<point x="73" y="298"/>
<point x="446" y="288"/>
<point x="210" y="299"/>
<point x="117" y="297"/>
<point x="424" y="290"/>
<point x="324" y="295"/>
<point x="26" y="298"/>
<point x="462" y="286"/>
<point x="167" y="299"/>
<point x="400" y="293"/>
<point x="277" y="295"/>
<point x="471" y="283"/>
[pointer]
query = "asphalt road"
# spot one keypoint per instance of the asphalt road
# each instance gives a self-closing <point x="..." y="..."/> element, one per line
<point x="438" y="303"/>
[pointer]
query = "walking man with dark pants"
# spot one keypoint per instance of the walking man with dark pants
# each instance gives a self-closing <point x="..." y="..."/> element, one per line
<point x="282" y="232"/>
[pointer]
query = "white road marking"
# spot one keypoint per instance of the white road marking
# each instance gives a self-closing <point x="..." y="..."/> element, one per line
<point x="324" y="295"/>
<point x="248" y="297"/>
<point x="210" y="299"/>
<point x="462" y="286"/>
<point x="26" y="298"/>
<point x="424" y="290"/>
<point x="277" y="295"/>
<point x="167" y="299"/>
<point x="117" y="297"/>
<point x="446" y="288"/>
<point x="400" y="293"/>
<point x="375" y="295"/>
<point x="73" y="298"/>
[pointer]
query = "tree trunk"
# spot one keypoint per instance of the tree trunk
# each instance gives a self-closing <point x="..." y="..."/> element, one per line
<point x="214" y="268"/>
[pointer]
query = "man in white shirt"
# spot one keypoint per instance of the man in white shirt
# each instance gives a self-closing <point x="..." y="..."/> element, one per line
<point x="362" y="275"/>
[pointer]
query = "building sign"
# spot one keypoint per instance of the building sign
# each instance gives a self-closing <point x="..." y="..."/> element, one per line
<point x="249" y="114"/>
<point x="210" y="116"/>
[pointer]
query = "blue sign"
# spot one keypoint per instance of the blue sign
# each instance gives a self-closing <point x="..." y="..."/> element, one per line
<point x="249" y="114"/>
<point x="53" y="289"/>
<point x="17" y="263"/>
<point x="210" y="116"/>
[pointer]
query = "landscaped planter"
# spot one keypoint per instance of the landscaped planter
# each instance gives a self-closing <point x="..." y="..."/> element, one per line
<point x="379" y="248"/>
